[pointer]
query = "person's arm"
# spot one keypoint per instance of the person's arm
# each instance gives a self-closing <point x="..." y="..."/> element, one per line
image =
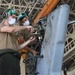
<point x="23" y="45"/>
<point x="11" y="29"/>
<point x="26" y="43"/>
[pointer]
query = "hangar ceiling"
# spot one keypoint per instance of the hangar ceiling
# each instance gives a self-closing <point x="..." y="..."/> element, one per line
<point x="32" y="7"/>
<point x="29" y="6"/>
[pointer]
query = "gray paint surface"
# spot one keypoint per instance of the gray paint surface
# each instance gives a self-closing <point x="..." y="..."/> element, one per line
<point x="54" y="41"/>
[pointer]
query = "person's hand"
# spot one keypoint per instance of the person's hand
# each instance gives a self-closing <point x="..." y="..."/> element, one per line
<point x="35" y="52"/>
<point x="32" y="39"/>
<point x="30" y="28"/>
